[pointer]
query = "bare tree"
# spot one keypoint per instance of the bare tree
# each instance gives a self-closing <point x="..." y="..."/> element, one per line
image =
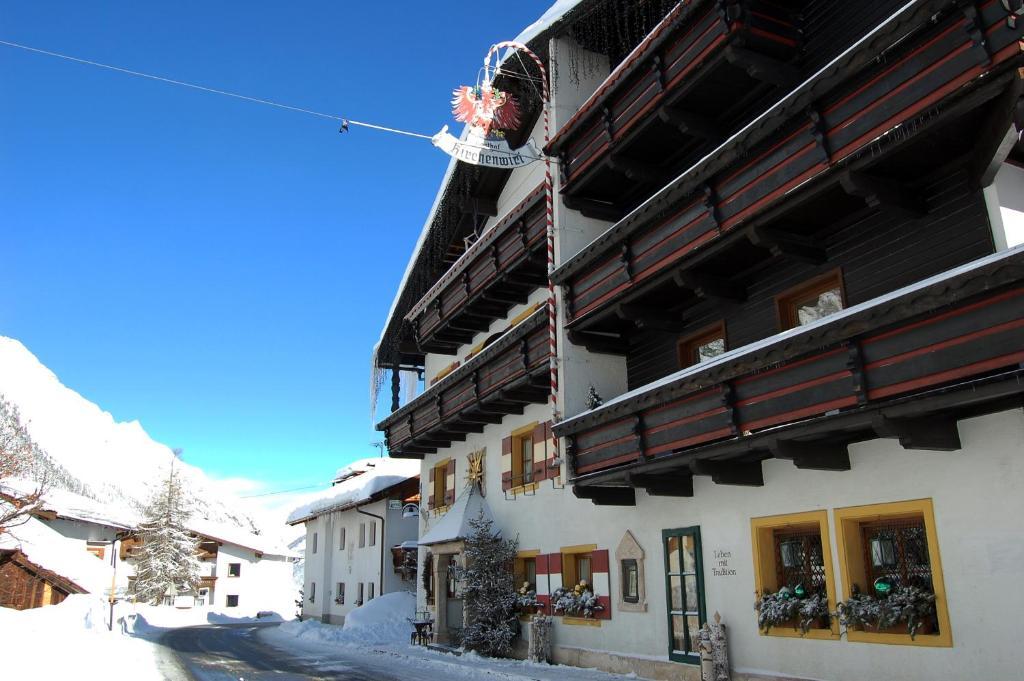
<point x="23" y="480"/>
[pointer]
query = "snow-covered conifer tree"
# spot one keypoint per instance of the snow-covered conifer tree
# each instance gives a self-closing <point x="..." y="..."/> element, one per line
<point x="169" y="553"/>
<point x="488" y="590"/>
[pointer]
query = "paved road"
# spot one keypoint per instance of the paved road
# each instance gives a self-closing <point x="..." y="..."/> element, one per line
<point x="232" y="652"/>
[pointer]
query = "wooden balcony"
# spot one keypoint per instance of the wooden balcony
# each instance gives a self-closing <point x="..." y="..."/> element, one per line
<point x="497" y="271"/>
<point x="826" y="151"/>
<point x="500" y="380"/>
<point x="697" y="76"/>
<point x="904" y="365"/>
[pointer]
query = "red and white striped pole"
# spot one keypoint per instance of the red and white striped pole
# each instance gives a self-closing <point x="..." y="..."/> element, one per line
<point x="549" y="215"/>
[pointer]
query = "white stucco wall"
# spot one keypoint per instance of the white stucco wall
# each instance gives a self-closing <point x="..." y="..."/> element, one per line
<point x="262" y="584"/>
<point x="349" y="563"/>
<point x="977" y="504"/>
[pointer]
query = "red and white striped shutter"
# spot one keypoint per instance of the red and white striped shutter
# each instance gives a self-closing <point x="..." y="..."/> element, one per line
<point x="449" y="487"/>
<point x="540" y="453"/>
<point x="506" y="463"/>
<point x="543" y="587"/>
<point x="602" y="582"/>
<point x="554" y="571"/>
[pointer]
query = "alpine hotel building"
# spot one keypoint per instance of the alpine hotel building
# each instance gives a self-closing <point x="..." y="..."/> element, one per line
<point x="787" y="245"/>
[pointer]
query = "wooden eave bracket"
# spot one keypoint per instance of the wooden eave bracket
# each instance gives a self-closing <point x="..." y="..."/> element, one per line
<point x="787" y="245"/>
<point x="747" y="474"/>
<point x="691" y="124"/>
<point x="599" y="343"/>
<point x="817" y="456"/>
<point x="762" y="68"/>
<point x="998" y="135"/>
<point x="591" y="208"/>
<point x="646" y="317"/>
<point x="709" y="287"/>
<point x="666" y="485"/>
<point x="635" y="170"/>
<point x="606" y="496"/>
<point x="935" y="433"/>
<point x="880" y="192"/>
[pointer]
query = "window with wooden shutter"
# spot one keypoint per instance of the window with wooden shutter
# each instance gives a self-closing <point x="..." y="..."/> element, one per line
<point x="506" y="463"/>
<point x="439" y="484"/>
<point x="449" y="492"/>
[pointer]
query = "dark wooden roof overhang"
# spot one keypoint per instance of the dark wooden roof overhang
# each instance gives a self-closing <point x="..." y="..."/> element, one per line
<point x="835" y="156"/>
<point x="500" y="380"/>
<point x="702" y="72"/>
<point x="499" y="270"/>
<point x="903" y="366"/>
<point x="18" y="557"/>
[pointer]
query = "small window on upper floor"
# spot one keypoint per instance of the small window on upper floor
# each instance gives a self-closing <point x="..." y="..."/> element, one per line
<point x="373" y="533"/>
<point x="341" y="539"/>
<point x="234" y="569"/>
<point x="314" y="542"/>
<point x="811" y="301"/>
<point x="362" y="535"/>
<point x="232" y="601"/>
<point x="703" y="345"/>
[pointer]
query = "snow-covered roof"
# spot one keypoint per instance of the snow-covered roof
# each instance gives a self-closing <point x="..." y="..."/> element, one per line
<point x="48" y="549"/>
<point x="551" y="16"/>
<point x="73" y="506"/>
<point x="355" y="487"/>
<point x="454" y="524"/>
<point x="230" y="534"/>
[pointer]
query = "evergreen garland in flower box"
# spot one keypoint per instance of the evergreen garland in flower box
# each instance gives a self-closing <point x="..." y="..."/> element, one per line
<point x="789" y="606"/>
<point x="911" y="605"/>
<point x="579" y="601"/>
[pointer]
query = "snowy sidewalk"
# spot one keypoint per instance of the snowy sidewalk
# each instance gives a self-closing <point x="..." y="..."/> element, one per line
<point x="380" y="641"/>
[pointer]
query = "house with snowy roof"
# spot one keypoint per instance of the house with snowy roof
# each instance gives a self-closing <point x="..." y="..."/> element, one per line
<point x="239" y="569"/>
<point x="761" y="337"/>
<point x="39" y="566"/>
<point x="361" y="537"/>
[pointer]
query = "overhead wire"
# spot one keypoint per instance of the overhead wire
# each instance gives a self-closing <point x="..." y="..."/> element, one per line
<point x="345" y="122"/>
<point x="216" y="91"/>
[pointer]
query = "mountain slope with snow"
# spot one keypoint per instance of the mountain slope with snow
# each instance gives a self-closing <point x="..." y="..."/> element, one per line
<point x="112" y="461"/>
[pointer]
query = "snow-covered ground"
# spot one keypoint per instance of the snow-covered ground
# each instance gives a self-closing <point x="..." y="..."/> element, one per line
<point x="379" y="632"/>
<point x="62" y="641"/>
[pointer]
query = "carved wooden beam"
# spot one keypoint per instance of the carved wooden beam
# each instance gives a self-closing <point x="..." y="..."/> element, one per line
<point x="936" y="433"/>
<point x="635" y="170"/>
<point x="667" y="485"/>
<point x="878" y="192"/>
<point x="591" y="208"/>
<point x="600" y="343"/>
<point x="747" y="474"/>
<point x="691" y="124"/>
<point x="606" y="496"/>
<point x="817" y="456"/>
<point x="710" y="286"/>
<point x="763" y="68"/>
<point x="647" y="317"/>
<point x="787" y="244"/>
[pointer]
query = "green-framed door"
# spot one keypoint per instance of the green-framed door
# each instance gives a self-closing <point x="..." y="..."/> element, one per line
<point x="684" y="592"/>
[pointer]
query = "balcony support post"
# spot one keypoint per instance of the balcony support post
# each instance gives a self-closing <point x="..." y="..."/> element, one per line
<point x="934" y="433"/>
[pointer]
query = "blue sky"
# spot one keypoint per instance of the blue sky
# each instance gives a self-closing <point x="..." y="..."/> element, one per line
<point x="217" y="269"/>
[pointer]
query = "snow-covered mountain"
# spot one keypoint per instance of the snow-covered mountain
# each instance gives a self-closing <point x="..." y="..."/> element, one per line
<point x="111" y="461"/>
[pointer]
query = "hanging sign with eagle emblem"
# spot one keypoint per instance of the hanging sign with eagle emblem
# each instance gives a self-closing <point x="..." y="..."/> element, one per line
<point x="487" y="112"/>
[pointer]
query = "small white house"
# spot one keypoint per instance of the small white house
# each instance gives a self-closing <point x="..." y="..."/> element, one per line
<point x="239" y="569"/>
<point x="360" y="537"/>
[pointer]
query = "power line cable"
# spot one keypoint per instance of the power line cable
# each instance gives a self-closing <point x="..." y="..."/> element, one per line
<point x="283" y="491"/>
<point x="345" y="121"/>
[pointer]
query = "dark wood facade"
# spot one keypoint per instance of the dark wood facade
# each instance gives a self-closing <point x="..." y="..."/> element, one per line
<point x="500" y="380"/>
<point x="497" y="271"/>
<point x="905" y="365"/>
<point x="24" y="585"/>
<point x="824" y="156"/>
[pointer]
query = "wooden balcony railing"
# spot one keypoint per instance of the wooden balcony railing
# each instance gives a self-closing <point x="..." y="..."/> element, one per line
<point x="497" y="271"/>
<point x="500" y="380"/>
<point x="697" y="75"/>
<point x="953" y="328"/>
<point x="814" y="134"/>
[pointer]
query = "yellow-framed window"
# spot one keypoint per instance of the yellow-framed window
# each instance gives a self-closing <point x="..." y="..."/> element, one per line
<point x="440" y="483"/>
<point x="895" y="542"/>
<point x="522" y="455"/>
<point x="793" y="550"/>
